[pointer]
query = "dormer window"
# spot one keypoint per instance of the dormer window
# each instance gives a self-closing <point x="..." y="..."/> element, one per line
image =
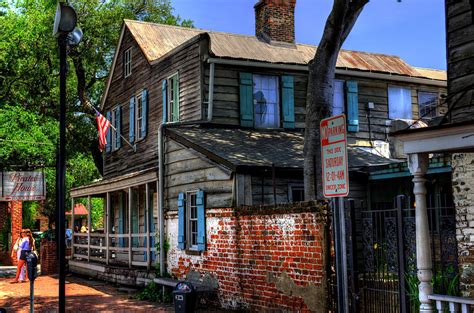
<point x="127" y="62"/>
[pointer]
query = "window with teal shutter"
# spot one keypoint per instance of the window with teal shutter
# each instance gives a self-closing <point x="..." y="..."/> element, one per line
<point x="108" y="136"/>
<point x="201" y="221"/>
<point x="131" y="133"/>
<point x="181" y="221"/>
<point x="118" y="126"/>
<point x="144" y="113"/>
<point x="246" y="99"/>
<point x="164" y="103"/>
<point x="121" y="221"/>
<point x="288" y="101"/>
<point x="134" y="211"/>
<point x="352" y="106"/>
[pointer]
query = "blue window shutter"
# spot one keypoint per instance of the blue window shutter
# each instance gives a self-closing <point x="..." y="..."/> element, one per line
<point x="246" y="100"/>
<point x="108" y="136"/>
<point x="118" y="125"/>
<point x="288" y="101"/>
<point x="352" y="106"/>
<point x="144" y="113"/>
<point x="120" y="221"/>
<point x="181" y="221"/>
<point x="165" y="102"/>
<point x="201" y="217"/>
<point x="131" y="133"/>
<point x="134" y="221"/>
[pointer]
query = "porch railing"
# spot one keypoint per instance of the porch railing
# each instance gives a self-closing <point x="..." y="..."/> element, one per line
<point x="452" y="304"/>
<point x="120" y="249"/>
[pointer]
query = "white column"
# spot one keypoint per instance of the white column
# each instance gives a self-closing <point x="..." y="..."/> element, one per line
<point x="107" y="226"/>
<point x="418" y="164"/>
<point x="147" y="221"/>
<point x="130" y="258"/>
<point x="89" y="219"/>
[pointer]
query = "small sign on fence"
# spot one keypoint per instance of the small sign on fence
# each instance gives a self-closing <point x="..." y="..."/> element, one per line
<point x="334" y="156"/>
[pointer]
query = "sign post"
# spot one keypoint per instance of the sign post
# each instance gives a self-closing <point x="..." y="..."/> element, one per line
<point x="336" y="185"/>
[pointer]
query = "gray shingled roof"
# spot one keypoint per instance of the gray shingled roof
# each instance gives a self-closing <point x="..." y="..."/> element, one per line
<point x="241" y="147"/>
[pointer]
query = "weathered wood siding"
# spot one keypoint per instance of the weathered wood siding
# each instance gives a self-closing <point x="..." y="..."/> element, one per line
<point x="226" y="99"/>
<point x="185" y="61"/>
<point x="187" y="170"/>
<point x="460" y="37"/>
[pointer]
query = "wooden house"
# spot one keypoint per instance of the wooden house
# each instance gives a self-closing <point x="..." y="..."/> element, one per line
<point x="216" y="120"/>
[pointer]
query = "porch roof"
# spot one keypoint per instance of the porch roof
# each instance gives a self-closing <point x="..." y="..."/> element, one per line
<point x="239" y="148"/>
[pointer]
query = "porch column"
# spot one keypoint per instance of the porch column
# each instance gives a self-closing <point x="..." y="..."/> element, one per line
<point x="107" y="225"/>
<point x="130" y="259"/>
<point x="89" y="228"/>
<point x="147" y="219"/>
<point x="418" y="164"/>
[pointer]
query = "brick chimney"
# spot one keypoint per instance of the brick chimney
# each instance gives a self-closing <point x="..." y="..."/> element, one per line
<point x="275" y="20"/>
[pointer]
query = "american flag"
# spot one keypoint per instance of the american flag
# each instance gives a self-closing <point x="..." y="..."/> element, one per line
<point x="102" y="126"/>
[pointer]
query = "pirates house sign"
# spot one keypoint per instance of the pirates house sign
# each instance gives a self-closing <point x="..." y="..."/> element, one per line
<point x="24" y="186"/>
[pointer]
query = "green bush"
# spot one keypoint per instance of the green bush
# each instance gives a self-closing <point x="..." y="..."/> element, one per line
<point x="153" y="292"/>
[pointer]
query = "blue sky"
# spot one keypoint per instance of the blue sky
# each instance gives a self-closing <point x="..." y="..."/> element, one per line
<point x="412" y="29"/>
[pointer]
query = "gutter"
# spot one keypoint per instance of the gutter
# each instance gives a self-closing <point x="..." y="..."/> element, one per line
<point x="339" y="71"/>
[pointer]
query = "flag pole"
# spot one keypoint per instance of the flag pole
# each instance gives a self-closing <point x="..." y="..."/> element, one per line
<point x="134" y="147"/>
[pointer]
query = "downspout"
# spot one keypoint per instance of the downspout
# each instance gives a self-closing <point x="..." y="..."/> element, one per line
<point x="161" y="188"/>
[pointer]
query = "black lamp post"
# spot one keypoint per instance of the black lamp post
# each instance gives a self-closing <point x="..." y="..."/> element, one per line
<point x="64" y="28"/>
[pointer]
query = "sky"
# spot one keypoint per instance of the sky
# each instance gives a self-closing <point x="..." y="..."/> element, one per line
<point x="411" y="29"/>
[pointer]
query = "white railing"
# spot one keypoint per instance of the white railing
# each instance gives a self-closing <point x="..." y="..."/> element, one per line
<point x="126" y="249"/>
<point x="452" y="304"/>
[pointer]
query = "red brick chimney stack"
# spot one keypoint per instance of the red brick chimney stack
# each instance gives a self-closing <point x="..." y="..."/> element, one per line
<point x="275" y="20"/>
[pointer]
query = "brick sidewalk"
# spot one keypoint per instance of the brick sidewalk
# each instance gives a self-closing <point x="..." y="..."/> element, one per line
<point x="81" y="296"/>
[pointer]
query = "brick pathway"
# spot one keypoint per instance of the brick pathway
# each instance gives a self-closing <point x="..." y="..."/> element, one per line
<point x="81" y="296"/>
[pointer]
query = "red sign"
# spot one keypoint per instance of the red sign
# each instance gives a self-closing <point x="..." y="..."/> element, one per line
<point x="334" y="156"/>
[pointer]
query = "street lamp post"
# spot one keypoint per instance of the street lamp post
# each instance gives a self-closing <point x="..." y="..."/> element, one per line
<point x="64" y="27"/>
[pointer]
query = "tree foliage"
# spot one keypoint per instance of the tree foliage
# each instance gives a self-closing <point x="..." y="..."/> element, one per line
<point x="29" y="82"/>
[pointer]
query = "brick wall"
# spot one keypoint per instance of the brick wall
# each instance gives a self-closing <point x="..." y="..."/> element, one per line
<point x="48" y="260"/>
<point x="275" y="20"/>
<point x="463" y="192"/>
<point x="260" y="258"/>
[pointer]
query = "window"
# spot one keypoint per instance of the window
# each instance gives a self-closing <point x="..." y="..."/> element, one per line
<point x="127" y="62"/>
<point x="338" y="106"/>
<point x="115" y="130"/>
<point x="266" y="101"/>
<point x="139" y="116"/>
<point x="399" y="103"/>
<point x="173" y="98"/>
<point x="427" y="104"/>
<point x="295" y="192"/>
<point x="191" y="221"/>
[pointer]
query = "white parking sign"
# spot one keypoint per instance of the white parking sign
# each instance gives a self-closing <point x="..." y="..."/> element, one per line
<point x="334" y="156"/>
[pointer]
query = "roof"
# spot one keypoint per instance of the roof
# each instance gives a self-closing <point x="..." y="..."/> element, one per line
<point x="257" y="148"/>
<point x="156" y="40"/>
<point x="79" y="209"/>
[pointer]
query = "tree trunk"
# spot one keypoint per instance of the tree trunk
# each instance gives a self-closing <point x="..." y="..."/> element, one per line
<point x="320" y="88"/>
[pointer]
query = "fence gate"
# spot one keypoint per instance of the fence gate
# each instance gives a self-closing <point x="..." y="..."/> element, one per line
<point x="381" y="253"/>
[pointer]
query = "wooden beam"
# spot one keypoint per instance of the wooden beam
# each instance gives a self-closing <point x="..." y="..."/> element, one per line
<point x="147" y="219"/>
<point x="107" y="226"/>
<point x="89" y="228"/>
<point x="130" y="227"/>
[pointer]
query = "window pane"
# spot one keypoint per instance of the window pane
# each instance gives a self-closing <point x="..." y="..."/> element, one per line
<point x="266" y="101"/>
<point x="428" y="103"/>
<point x="338" y="98"/>
<point x="399" y="103"/>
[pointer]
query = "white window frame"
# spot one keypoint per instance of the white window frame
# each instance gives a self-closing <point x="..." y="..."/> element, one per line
<point x="433" y="111"/>
<point x="342" y="94"/>
<point x="127" y="62"/>
<point x="138" y="116"/>
<point x="291" y="187"/>
<point x="189" y="220"/>
<point x="390" y="105"/>
<point x="169" y="93"/>
<point x="277" y="104"/>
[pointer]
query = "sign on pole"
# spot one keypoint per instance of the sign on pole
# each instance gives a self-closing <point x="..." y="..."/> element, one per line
<point x="334" y="156"/>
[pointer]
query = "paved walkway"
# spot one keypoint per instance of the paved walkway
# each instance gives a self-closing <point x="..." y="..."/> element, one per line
<point x="82" y="295"/>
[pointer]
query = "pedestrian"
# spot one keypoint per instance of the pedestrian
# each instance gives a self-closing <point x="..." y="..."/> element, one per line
<point x="17" y="249"/>
<point x="26" y="247"/>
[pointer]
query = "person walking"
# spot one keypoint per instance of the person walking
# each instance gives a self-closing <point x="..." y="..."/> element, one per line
<point x="26" y="245"/>
<point x="17" y="250"/>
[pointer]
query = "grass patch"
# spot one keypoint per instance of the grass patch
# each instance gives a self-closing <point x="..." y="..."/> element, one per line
<point x="154" y="293"/>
